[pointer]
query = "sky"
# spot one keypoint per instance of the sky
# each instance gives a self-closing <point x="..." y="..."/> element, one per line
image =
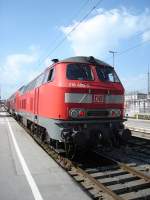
<point x="34" y="32"/>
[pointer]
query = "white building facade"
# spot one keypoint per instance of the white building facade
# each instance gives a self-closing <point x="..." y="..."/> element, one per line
<point x="136" y="103"/>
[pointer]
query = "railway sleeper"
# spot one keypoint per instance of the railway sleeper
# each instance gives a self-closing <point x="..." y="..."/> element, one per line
<point x="132" y="186"/>
<point x="140" y="195"/>
<point x="121" y="179"/>
<point x="102" y="169"/>
<point x="98" y="195"/>
<point x="87" y="185"/>
<point x="109" y="174"/>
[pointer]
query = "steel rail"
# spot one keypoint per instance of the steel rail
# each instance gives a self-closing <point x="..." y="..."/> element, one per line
<point x="135" y="172"/>
<point x="99" y="185"/>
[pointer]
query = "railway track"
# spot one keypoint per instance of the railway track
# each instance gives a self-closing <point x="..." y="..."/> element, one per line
<point x="129" y="180"/>
<point x="104" y="177"/>
<point x="140" y="149"/>
<point x="116" y="181"/>
<point x="137" y="150"/>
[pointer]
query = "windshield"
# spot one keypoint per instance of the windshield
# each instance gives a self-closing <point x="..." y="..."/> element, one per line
<point x="78" y="71"/>
<point x="107" y="74"/>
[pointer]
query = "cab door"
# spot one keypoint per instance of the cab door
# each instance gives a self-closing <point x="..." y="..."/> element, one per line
<point x="36" y="101"/>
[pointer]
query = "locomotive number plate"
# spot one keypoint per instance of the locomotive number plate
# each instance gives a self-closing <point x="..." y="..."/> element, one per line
<point x="97" y="98"/>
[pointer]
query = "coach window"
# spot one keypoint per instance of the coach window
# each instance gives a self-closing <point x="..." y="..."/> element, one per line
<point x="51" y="75"/>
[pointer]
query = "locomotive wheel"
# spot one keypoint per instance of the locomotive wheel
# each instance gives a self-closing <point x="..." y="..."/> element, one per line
<point x="42" y="137"/>
<point x="74" y="152"/>
<point x="32" y="128"/>
<point x="71" y="150"/>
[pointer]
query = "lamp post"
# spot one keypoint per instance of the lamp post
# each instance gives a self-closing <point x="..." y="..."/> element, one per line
<point x="148" y="82"/>
<point x="113" y="53"/>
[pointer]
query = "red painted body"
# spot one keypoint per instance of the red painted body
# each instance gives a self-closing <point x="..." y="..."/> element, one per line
<point x="47" y="100"/>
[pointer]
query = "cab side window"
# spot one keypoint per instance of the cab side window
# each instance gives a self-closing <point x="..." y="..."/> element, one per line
<point x="51" y="75"/>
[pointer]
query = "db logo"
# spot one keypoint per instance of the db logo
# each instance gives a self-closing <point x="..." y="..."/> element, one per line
<point x="98" y="98"/>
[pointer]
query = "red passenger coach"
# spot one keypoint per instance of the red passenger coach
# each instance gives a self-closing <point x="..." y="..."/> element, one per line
<point x="74" y="104"/>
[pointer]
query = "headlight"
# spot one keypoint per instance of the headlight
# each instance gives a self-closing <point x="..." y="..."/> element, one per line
<point x="77" y="113"/>
<point x="115" y="113"/>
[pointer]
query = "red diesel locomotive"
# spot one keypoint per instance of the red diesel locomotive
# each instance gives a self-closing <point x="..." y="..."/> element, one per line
<point x="74" y="104"/>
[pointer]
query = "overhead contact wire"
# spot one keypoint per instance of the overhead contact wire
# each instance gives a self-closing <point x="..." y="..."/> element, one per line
<point x="73" y="29"/>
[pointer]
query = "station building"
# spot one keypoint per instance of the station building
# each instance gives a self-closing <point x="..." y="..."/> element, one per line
<point x="137" y="103"/>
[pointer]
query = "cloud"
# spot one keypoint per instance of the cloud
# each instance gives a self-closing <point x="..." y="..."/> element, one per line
<point x="105" y="31"/>
<point x="146" y="36"/>
<point x="14" y="66"/>
<point x="18" y="69"/>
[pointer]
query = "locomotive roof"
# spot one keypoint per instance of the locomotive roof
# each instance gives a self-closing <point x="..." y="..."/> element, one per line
<point x="83" y="59"/>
